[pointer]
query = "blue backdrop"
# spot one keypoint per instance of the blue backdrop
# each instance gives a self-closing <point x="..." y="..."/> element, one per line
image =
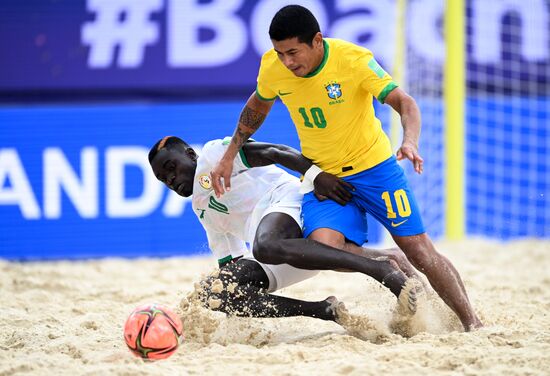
<point x="41" y="149"/>
<point x="74" y="181"/>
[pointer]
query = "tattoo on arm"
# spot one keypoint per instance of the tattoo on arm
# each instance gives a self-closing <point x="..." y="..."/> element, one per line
<point x="240" y="136"/>
<point x="251" y="118"/>
<point x="249" y="122"/>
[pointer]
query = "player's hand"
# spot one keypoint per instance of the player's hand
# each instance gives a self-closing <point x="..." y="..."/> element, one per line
<point x="409" y="150"/>
<point x="320" y="197"/>
<point x="333" y="187"/>
<point x="222" y="171"/>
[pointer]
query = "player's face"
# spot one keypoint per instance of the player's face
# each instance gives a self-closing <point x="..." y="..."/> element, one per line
<point x="176" y="169"/>
<point x="300" y="58"/>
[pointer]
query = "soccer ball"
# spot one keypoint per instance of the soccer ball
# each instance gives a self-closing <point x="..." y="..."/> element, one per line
<point x="153" y="331"/>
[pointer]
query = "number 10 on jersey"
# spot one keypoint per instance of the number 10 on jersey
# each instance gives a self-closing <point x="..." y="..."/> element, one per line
<point x="314" y="113"/>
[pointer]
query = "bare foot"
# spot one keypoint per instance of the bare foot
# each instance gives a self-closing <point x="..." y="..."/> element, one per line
<point x="408" y="298"/>
<point x="337" y="307"/>
<point x="474" y="326"/>
<point x="359" y="326"/>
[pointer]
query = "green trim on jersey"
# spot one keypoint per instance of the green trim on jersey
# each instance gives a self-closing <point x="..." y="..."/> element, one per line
<point x="224" y="260"/>
<point x="227" y="140"/>
<point x="320" y="67"/>
<point x="243" y="158"/>
<point x="376" y="68"/>
<point x="263" y="98"/>
<point x="384" y="93"/>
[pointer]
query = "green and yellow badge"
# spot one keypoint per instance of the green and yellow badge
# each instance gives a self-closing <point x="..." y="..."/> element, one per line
<point x="205" y="182"/>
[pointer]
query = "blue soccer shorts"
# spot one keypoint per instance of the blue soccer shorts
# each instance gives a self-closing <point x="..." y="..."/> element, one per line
<point x="382" y="191"/>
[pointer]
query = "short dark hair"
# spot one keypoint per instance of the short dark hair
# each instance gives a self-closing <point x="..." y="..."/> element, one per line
<point x="294" y="21"/>
<point x="169" y="142"/>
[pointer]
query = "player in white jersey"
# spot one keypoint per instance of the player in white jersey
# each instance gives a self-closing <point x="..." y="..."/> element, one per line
<point x="263" y="210"/>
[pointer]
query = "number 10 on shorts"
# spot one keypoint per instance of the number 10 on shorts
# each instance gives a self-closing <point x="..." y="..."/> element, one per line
<point x="401" y="202"/>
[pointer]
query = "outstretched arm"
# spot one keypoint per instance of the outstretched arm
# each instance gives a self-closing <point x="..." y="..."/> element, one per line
<point x="406" y="106"/>
<point x="262" y="154"/>
<point x="252" y="117"/>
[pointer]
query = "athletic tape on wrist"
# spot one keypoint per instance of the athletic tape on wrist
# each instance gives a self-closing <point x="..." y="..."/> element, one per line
<point x="312" y="173"/>
<point x="309" y="177"/>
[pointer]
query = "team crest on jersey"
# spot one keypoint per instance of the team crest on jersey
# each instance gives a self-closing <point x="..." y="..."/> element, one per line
<point x="334" y="91"/>
<point x="205" y="182"/>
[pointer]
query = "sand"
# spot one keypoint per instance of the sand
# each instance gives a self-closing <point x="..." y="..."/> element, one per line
<point x="66" y="318"/>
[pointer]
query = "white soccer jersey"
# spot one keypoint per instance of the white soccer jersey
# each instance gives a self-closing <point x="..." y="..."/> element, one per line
<point x="228" y="220"/>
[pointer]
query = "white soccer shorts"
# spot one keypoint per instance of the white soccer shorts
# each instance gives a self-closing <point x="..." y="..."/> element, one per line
<point x="283" y="199"/>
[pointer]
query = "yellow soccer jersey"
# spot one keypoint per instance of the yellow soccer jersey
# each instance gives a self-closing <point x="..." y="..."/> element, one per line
<point x="332" y="107"/>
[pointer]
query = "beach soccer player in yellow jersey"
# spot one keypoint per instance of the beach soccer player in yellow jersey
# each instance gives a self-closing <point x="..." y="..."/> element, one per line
<point x="328" y="87"/>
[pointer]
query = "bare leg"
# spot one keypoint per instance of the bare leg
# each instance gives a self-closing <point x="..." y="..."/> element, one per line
<point x="442" y="275"/>
<point x="279" y="241"/>
<point x="240" y="289"/>
<point x="337" y="240"/>
<point x="394" y="254"/>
